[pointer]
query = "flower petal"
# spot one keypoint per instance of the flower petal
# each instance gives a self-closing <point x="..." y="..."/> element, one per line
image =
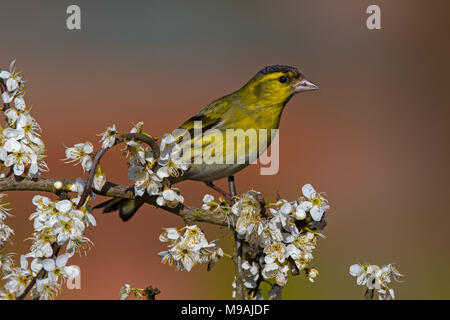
<point x="308" y="191"/>
<point x="316" y="213"/>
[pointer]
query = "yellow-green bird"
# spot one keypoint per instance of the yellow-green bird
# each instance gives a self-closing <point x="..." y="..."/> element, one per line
<point x="257" y="105"/>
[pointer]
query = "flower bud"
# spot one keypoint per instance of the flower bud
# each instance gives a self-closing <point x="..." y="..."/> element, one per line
<point x="313" y="273"/>
<point x="299" y="214"/>
<point x="58" y="185"/>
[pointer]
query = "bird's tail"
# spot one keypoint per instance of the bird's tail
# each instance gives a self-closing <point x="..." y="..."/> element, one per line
<point x="127" y="208"/>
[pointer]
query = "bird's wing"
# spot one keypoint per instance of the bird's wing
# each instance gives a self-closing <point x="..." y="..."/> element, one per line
<point x="210" y="116"/>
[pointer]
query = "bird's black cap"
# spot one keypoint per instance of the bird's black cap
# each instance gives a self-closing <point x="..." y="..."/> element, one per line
<point x="278" y="68"/>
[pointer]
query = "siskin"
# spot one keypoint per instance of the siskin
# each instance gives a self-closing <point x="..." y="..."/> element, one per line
<point x="257" y="105"/>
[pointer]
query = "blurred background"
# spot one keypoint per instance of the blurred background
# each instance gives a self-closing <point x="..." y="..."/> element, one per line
<point x="375" y="138"/>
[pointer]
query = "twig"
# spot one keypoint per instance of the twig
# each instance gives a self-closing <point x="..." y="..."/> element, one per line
<point x="90" y="179"/>
<point x="143" y="138"/>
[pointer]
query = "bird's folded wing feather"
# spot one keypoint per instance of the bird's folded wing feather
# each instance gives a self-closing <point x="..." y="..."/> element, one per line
<point x="210" y="116"/>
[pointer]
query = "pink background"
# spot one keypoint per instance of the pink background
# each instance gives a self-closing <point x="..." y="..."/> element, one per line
<point x="375" y="138"/>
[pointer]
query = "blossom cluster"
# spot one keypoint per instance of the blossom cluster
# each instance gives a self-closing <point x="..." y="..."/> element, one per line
<point x="83" y="153"/>
<point x="5" y="230"/>
<point x="188" y="248"/>
<point x="376" y="279"/>
<point x="57" y="224"/>
<point x="219" y="209"/>
<point x="21" y="147"/>
<point x="6" y="260"/>
<point x="150" y="175"/>
<point x="276" y="237"/>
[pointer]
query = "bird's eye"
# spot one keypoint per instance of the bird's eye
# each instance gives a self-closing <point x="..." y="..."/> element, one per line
<point x="283" y="79"/>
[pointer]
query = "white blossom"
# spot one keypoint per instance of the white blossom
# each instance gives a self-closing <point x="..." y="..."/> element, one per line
<point x="145" y="180"/>
<point x="19" y="103"/>
<point x="7" y="295"/>
<point x="20" y="145"/>
<point x="78" y="186"/>
<point x="125" y="292"/>
<point x="189" y="248"/>
<point x="13" y="79"/>
<point x="376" y="279"/>
<point x="5" y="233"/>
<point x="170" y="197"/>
<point x="248" y="210"/>
<point x="276" y="271"/>
<point x="17" y="280"/>
<point x="282" y="215"/>
<point x="57" y="267"/>
<point x="170" y="160"/>
<point x="251" y="274"/>
<point x="19" y="157"/>
<point x="108" y="137"/>
<point x="6" y="263"/>
<point x="275" y="251"/>
<point x="208" y="202"/>
<point x="219" y="208"/>
<point x="7" y="96"/>
<point x="315" y="203"/>
<point x="81" y="153"/>
<point x="99" y="179"/>
<point x="45" y="289"/>
<point x="169" y="234"/>
<point x="68" y="228"/>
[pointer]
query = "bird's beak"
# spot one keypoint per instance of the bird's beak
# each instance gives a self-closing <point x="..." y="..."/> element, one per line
<point x="304" y="85"/>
